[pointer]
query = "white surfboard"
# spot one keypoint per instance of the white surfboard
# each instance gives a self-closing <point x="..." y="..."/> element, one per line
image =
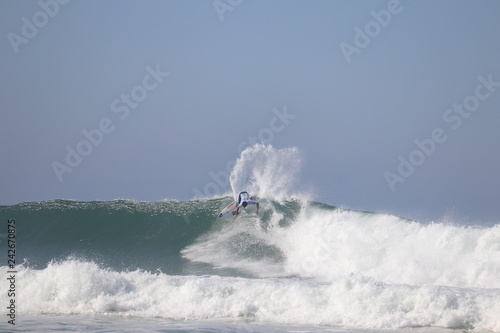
<point x="230" y="210"/>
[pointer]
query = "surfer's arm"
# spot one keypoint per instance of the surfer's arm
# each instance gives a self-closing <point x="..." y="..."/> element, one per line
<point x="237" y="211"/>
<point x="257" y="204"/>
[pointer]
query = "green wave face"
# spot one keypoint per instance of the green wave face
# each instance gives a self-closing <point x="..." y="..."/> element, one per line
<point x="120" y="234"/>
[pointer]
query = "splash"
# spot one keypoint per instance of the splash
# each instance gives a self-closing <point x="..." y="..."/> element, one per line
<point x="267" y="172"/>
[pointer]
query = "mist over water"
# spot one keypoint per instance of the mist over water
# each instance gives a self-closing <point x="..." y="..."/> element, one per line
<point x="298" y="262"/>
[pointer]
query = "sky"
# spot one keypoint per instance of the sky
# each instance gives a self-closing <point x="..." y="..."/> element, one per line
<point x="393" y="105"/>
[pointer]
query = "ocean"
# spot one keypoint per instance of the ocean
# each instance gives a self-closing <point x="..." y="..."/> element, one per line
<point x="301" y="266"/>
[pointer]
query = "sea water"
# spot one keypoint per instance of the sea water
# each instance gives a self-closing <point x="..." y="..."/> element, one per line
<point x="301" y="266"/>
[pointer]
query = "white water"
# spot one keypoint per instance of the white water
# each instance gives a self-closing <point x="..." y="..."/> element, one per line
<point x="331" y="244"/>
<point x="75" y="287"/>
<point x="328" y="245"/>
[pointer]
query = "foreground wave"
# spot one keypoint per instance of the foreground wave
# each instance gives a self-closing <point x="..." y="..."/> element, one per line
<point x="299" y="263"/>
<point x="75" y="287"/>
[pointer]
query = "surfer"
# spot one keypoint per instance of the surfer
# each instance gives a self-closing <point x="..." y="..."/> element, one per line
<point x="244" y="199"/>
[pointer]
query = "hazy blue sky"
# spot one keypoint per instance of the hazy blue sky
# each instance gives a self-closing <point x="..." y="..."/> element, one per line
<point x="395" y="106"/>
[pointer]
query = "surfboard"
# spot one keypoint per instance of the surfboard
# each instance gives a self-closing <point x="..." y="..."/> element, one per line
<point x="230" y="210"/>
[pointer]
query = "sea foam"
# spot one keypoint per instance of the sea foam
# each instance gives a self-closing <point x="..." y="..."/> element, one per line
<point x="77" y="287"/>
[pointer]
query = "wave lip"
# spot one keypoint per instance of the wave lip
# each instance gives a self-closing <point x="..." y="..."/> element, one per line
<point x="76" y="287"/>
